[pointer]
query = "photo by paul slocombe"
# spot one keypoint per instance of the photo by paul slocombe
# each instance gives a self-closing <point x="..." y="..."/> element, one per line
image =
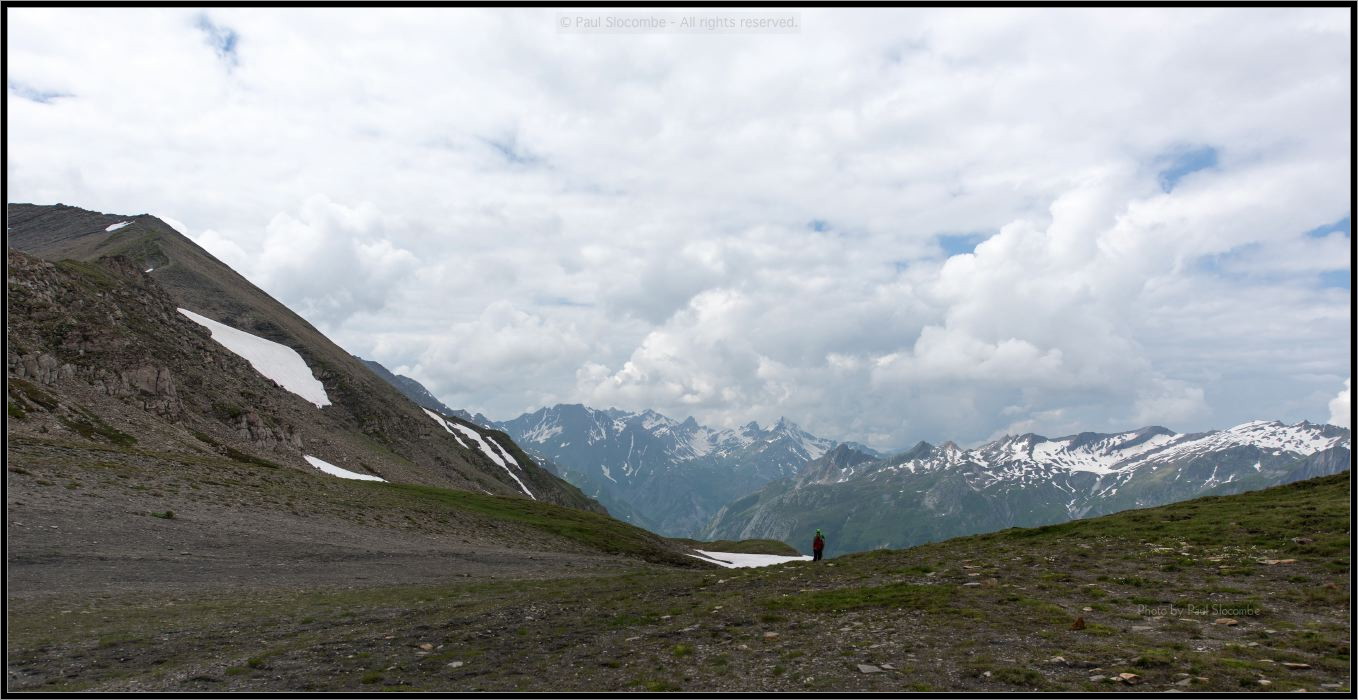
<point x="1199" y="610"/>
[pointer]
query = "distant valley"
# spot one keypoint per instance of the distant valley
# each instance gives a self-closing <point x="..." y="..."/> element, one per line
<point x="683" y="479"/>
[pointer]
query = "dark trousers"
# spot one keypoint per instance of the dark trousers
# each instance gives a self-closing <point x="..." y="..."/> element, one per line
<point x="815" y="554"/>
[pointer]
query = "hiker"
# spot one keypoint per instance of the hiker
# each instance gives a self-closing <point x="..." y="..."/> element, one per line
<point x="817" y="546"/>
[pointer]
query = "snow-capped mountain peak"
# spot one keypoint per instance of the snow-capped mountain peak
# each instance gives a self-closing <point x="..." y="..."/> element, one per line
<point x="616" y="455"/>
<point x="929" y="493"/>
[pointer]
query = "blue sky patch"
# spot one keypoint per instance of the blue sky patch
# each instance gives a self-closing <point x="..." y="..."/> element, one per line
<point x="1344" y="226"/>
<point x="33" y="94"/>
<point x="818" y="225"/>
<point x="1340" y="279"/>
<point x="1181" y="163"/>
<point x="959" y="243"/>
<point x="221" y="38"/>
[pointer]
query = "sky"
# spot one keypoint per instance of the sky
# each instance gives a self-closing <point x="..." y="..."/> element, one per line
<point x="888" y="225"/>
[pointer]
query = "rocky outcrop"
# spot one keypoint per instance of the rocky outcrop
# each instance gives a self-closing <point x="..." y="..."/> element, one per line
<point x="251" y="427"/>
<point x="81" y="295"/>
<point x="41" y="367"/>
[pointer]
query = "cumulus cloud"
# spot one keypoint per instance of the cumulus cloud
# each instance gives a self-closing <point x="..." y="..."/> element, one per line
<point x="1340" y="411"/>
<point x="329" y="260"/>
<point x="743" y="227"/>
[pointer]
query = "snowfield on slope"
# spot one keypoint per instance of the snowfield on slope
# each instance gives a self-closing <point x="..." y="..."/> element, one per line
<point x="276" y="361"/>
<point x="737" y="560"/>
<point x="488" y="446"/>
<point x="341" y="472"/>
<point x="117" y="226"/>
<point x="439" y="419"/>
<point x="489" y="451"/>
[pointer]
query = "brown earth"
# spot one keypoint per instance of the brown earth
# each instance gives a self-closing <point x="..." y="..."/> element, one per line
<point x="295" y="582"/>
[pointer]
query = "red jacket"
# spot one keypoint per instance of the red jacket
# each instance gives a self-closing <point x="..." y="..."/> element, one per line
<point x="818" y="543"/>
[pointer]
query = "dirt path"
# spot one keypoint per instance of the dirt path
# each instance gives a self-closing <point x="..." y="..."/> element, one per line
<point x="75" y="529"/>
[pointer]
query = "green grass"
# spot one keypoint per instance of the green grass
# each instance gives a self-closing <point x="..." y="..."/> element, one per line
<point x="418" y="505"/>
<point x="898" y="595"/>
<point x="1024" y="677"/>
<point x="1266" y="518"/>
<point x="227" y="411"/>
<point x="740" y="546"/>
<point x="239" y="456"/>
<point x="868" y="608"/>
<point x="591" y="529"/>
<point x="29" y="391"/>
<point x="91" y="428"/>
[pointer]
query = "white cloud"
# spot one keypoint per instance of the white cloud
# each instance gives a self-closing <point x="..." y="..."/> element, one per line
<point x="516" y="216"/>
<point x="1340" y="412"/>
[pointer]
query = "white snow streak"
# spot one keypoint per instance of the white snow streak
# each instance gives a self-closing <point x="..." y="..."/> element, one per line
<point x="489" y="451"/>
<point x="439" y="419"/>
<point x="503" y="451"/>
<point x="737" y="560"/>
<point x="273" y="360"/>
<point x="117" y="226"/>
<point x="342" y="473"/>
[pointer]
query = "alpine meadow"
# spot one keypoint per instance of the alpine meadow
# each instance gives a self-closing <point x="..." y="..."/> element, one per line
<point x="729" y="350"/>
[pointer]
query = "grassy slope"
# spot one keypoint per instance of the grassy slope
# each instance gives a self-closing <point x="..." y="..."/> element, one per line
<point x="741" y="546"/>
<point x="182" y="479"/>
<point x="592" y="530"/>
<point x="799" y="626"/>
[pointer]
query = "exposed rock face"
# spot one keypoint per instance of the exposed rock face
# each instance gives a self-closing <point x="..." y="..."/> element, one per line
<point x="103" y="354"/>
<point x="249" y="426"/>
<point x="97" y="337"/>
<point x="42" y="368"/>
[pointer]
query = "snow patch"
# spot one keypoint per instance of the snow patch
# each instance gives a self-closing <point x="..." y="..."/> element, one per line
<point x="489" y="451"/>
<point x="342" y="473"/>
<point x="439" y="419"/>
<point x="276" y="361"/>
<point x="503" y="452"/>
<point x="737" y="560"/>
<point x="1302" y="439"/>
<point x="118" y="225"/>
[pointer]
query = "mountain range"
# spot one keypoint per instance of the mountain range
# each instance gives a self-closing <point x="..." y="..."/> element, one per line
<point x="122" y="331"/>
<point x="686" y="480"/>
<point x="666" y="475"/>
<point x="931" y="493"/>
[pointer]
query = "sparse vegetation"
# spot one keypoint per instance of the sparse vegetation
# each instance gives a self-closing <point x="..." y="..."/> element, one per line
<point x="594" y="530"/>
<point x="92" y="428"/>
<point x="901" y="596"/>
<point x="798" y="626"/>
<point x="30" y="392"/>
<point x="740" y="546"/>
